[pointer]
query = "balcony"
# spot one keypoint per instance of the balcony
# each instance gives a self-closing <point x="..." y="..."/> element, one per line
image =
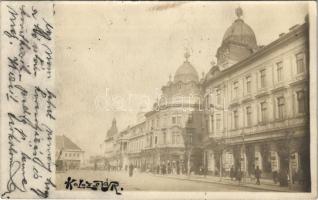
<point x="234" y="102"/>
<point x="217" y="133"/>
<point x="247" y="97"/>
<point x="299" y="79"/>
<point x="270" y="126"/>
<point x="279" y="87"/>
<point x="261" y="92"/>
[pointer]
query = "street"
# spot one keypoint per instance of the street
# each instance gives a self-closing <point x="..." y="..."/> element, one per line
<point x="146" y="182"/>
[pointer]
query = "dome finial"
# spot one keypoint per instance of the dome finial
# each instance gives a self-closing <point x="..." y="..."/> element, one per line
<point x="187" y="55"/>
<point x="239" y="12"/>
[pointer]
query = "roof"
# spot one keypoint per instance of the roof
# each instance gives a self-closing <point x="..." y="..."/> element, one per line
<point x="241" y="33"/>
<point x="186" y="72"/>
<point x="295" y="32"/>
<point x="63" y="142"/>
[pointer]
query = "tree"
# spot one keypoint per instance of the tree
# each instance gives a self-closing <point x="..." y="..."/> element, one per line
<point x="220" y="147"/>
<point x="187" y="134"/>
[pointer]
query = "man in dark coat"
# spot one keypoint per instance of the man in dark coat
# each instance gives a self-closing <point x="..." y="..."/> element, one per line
<point x="178" y="168"/>
<point x="258" y="175"/>
<point x="239" y="175"/>
<point x="131" y="170"/>
<point x="232" y="173"/>
<point x="163" y="169"/>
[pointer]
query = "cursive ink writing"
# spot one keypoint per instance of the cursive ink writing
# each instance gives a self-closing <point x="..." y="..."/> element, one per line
<point x="30" y="102"/>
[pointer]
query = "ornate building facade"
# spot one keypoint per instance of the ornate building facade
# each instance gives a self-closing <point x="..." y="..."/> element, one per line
<point x="250" y="110"/>
<point x="174" y="127"/>
<point x="257" y="103"/>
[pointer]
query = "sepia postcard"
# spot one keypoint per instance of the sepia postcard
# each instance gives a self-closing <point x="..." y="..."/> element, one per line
<point x="158" y="100"/>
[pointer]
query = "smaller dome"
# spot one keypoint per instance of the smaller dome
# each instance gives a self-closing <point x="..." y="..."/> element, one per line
<point x="186" y="72"/>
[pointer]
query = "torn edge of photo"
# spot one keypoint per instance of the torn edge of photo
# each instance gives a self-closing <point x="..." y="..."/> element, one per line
<point x="158" y="100"/>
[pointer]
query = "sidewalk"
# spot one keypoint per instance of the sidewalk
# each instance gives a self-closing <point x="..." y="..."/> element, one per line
<point x="266" y="185"/>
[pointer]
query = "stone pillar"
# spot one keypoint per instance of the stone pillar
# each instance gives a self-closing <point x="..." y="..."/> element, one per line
<point x="258" y="157"/>
<point x="211" y="160"/>
<point x="295" y="146"/>
<point x="274" y="157"/>
<point x="243" y="159"/>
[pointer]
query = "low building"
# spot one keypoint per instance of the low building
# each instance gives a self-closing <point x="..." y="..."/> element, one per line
<point x="67" y="154"/>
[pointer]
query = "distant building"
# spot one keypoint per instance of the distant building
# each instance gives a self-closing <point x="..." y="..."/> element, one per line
<point x="135" y="139"/>
<point x="67" y="154"/>
<point x="116" y="145"/>
<point x="110" y="149"/>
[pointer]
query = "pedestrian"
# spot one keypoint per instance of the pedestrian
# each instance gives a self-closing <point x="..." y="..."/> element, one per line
<point x="301" y="177"/>
<point x="283" y="178"/>
<point x="294" y="176"/>
<point x="258" y="175"/>
<point x="232" y="173"/>
<point x="163" y="169"/>
<point x="239" y="176"/>
<point x="95" y="165"/>
<point x="275" y="176"/>
<point x="178" y="168"/>
<point x="131" y="170"/>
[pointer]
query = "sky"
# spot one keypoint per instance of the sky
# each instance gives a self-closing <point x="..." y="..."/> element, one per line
<point x="112" y="58"/>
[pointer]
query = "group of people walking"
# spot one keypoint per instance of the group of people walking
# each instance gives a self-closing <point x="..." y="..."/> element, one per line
<point x="169" y="169"/>
<point x="237" y="174"/>
<point x="281" y="177"/>
<point x="162" y="169"/>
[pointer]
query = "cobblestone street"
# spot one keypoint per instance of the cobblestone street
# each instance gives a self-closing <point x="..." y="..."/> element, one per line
<point x="151" y="182"/>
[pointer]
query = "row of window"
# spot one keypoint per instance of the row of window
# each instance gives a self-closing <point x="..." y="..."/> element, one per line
<point x="175" y="120"/>
<point x="176" y="138"/>
<point x="135" y="145"/>
<point x="300" y="68"/>
<point x="264" y="113"/>
<point x="71" y="154"/>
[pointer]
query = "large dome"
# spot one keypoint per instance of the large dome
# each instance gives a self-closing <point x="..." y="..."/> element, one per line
<point x="186" y="72"/>
<point x="238" y="43"/>
<point x="241" y="34"/>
